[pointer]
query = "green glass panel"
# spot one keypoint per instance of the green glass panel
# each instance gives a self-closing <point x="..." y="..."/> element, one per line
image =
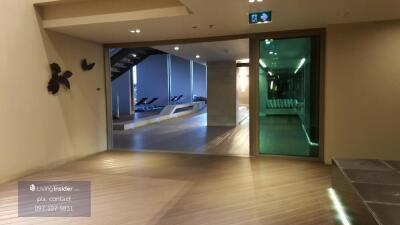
<point x="287" y="124"/>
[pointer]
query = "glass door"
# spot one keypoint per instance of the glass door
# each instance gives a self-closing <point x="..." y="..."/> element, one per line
<point x="289" y="96"/>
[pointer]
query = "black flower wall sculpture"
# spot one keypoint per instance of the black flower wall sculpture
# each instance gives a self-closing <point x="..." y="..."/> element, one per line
<point x="87" y="66"/>
<point x="57" y="79"/>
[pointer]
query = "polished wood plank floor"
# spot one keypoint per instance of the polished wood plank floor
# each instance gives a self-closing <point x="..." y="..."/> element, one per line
<point x="188" y="134"/>
<point x="182" y="189"/>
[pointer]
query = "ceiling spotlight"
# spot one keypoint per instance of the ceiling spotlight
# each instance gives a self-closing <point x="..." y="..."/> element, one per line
<point x="260" y="0"/>
<point x="176" y="48"/>
<point x="275" y="53"/>
<point x="271" y="52"/>
<point x="251" y="1"/>
<point x="134" y="55"/>
<point x="197" y="56"/>
<point x="136" y="31"/>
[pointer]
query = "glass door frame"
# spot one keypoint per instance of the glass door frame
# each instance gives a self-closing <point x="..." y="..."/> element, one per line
<point x="254" y="48"/>
<point x="254" y="85"/>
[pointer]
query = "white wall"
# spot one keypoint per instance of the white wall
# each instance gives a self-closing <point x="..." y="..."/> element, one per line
<point x="242" y="84"/>
<point x="362" y="91"/>
<point x="221" y="93"/>
<point x="37" y="129"/>
<point x="122" y="95"/>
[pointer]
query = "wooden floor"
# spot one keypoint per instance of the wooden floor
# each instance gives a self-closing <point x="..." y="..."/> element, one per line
<point x="188" y="134"/>
<point x="181" y="189"/>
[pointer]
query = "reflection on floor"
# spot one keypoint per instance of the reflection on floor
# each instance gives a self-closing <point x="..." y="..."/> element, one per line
<point x="187" y="134"/>
<point x="164" y="189"/>
<point x="283" y="135"/>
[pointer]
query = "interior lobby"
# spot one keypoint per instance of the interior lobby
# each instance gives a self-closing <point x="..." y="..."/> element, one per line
<point x="192" y="112"/>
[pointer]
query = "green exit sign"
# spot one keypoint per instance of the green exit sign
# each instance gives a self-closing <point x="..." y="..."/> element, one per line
<point x="260" y="17"/>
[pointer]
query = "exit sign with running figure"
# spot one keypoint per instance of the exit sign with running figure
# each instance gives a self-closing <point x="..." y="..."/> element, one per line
<point x="260" y="17"/>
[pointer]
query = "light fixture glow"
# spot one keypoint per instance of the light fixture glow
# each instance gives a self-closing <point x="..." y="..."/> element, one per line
<point x="135" y="31"/>
<point x="243" y="78"/>
<point x="176" y="48"/>
<point x="134" y="70"/>
<point x="314" y="144"/>
<point x="302" y="61"/>
<point x="243" y="61"/>
<point x="262" y="63"/>
<point x="338" y="207"/>
<point x="275" y="53"/>
<point x="271" y="52"/>
<point x="270" y="73"/>
<point x="272" y="85"/>
<point x="251" y="1"/>
<point x="268" y="42"/>
<point x="134" y="55"/>
<point x="197" y="56"/>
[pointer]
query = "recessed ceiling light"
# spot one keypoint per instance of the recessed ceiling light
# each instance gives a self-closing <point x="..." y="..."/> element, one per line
<point x="271" y="52"/>
<point x="197" y="56"/>
<point x="176" y="48"/>
<point x="252" y="1"/>
<point x="135" y="31"/>
<point x="275" y="53"/>
<point x="134" y="55"/>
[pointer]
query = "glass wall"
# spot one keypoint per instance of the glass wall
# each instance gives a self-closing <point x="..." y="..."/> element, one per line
<point x="289" y="90"/>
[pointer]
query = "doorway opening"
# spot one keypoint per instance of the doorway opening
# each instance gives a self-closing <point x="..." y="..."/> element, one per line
<point x="185" y="98"/>
<point x="289" y="97"/>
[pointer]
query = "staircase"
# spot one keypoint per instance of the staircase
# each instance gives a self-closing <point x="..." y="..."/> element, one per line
<point x="124" y="59"/>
